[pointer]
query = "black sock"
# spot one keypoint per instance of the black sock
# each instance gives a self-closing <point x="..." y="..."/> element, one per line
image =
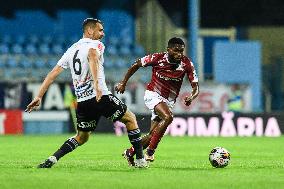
<point x="150" y="152"/>
<point x="135" y="139"/>
<point x="68" y="146"/>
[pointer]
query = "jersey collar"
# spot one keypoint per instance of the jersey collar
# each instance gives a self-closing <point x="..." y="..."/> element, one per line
<point x="85" y="39"/>
<point x="166" y="56"/>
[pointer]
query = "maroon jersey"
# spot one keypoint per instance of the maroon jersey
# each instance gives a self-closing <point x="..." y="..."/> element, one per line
<point x="166" y="77"/>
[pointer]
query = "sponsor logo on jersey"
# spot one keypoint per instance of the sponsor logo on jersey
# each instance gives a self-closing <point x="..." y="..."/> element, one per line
<point x="78" y="82"/>
<point x="90" y="124"/>
<point x="100" y="46"/>
<point x="84" y="90"/>
<point x="115" y="115"/>
<point x="161" y="61"/>
<point x="115" y="100"/>
<point x="85" y="94"/>
<point x="180" y="67"/>
<point x="167" y="78"/>
<point x="84" y="87"/>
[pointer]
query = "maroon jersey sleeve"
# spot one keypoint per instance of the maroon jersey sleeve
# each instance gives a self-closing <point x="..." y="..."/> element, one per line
<point x="191" y="73"/>
<point x="151" y="59"/>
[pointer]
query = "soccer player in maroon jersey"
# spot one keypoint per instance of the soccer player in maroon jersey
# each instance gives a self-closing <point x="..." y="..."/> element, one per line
<point x="168" y="71"/>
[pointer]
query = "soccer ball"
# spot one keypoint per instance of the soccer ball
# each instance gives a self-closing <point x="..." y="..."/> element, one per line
<point x="219" y="157"/>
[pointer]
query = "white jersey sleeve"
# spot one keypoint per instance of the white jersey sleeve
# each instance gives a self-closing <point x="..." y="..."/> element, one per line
<point x="99" y="47"/>
<point x="63" y="62"/>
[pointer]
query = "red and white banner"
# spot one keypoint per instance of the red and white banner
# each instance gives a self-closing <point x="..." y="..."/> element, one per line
<point x="225" y="124"/>
<point x="11" y="122"/>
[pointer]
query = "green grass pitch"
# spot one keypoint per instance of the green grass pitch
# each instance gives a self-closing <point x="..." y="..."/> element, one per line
<point x="181" y="162"/>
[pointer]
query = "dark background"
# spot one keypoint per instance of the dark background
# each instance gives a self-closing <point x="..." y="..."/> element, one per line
<point x="214" y="13"/>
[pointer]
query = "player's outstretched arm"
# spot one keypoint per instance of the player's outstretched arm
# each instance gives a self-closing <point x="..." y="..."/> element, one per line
<point x="51" y="76"/>
<point x="120" y="87"/>
<point x="94" y="67"/>
<point x="194" y="94"/>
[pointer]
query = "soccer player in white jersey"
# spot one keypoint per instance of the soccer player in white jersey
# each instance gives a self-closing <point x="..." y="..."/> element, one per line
<point x="85" y="60"/>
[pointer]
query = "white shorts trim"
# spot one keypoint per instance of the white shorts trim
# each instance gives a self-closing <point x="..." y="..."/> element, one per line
<point x="152" y="98"/>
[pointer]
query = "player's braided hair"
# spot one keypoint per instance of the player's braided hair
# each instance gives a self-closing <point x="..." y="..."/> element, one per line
<point x="175" y="40"/>
<point x="90" y="22"/>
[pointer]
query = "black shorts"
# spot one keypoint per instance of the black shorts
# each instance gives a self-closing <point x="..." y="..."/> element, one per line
<point x="89" y="112"/>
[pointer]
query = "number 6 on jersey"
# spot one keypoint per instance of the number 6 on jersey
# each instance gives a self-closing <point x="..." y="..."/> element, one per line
<point x="77" y="69"/>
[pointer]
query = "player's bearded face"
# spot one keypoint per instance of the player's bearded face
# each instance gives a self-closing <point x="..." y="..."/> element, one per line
<point x="175" y="53"/>
<point x="98" y="32"/>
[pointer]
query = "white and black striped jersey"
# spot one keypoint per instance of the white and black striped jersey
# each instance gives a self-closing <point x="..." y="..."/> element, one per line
<point x="76" y="58"/>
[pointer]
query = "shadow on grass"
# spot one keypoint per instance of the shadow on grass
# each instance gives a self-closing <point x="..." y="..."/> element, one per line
<point x="236" y="168"/>
<point x="183" y="168"/>
<point x="96" y="168"/>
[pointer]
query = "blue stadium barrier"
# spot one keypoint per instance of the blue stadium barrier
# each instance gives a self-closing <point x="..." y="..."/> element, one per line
<point x="4" y="48"/>
<point x="120" y="63"/>
<point x="111" y="50"/>
<point x="7" y="39"/>
<point x="60" y="39"/>
<point x="30" y="49"/>
<point x="57" y="49"/>
<point x="52" y="62"/>
<point x="45" y="127"/>
<point x="17" y="49"/>
<point x="25" y="63"/>
<point x="12" y="62"/>
<point x="126" y="40"/>
<point x="115" y="21"/>
<point x="69" y="22"/>
<point x="20" y="39"/>
<point x="40" y="63"/>
<point x="44" y="49"/>
<point x="33" y="39"/>
<point x="2" y="64"/>
<point x="47" y="39"/>
<point x="125" y="50"/>
<point x="138" y="50"/>
<point x="113" y="40"/>
<point x="41" y="22"/>
<point x="108" y="63"/>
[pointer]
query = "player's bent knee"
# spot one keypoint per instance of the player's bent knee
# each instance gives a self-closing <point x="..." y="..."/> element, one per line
<point x="131" y="116"/>
<point x="82" y="140"/>
<point x="131" y="124"/>
<point x="82" y="137"/>
<point x="169" y="119"/>
<point x="129" y="119"/>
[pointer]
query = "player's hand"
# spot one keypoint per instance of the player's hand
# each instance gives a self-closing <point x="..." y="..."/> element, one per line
<point x="33" y="105"/>
<point x="120" y="88"/>
<point x="99" y="94"/>
<point x="187" y="100"/>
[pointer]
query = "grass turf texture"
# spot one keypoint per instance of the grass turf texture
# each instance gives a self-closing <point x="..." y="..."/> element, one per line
<point x="181" y="162"/>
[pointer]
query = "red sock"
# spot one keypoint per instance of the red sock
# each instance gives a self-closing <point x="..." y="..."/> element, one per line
<point x="131" y="151"/>
<point x="156" y="138"/>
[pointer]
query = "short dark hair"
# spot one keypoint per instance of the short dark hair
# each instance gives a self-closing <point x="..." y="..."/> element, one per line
<point x="90" y="22"/>
<point x="174" y="41"/>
